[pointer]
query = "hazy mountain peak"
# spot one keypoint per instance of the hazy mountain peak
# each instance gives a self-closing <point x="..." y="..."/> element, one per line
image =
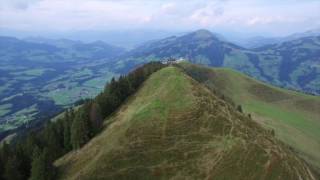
<point x="98" y="43"/>
<point x="202" y="34"/>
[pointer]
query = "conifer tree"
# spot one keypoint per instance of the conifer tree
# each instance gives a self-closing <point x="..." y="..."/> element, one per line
<point x="239" y="108"/>
<point x="95" y="117"/>
<point x="4" y="155"/>
<point x="31" y="142"/>
<point x="80" y="132"/>
<point x="108" y="103"/>
<point x="66" y="131"/>
<point x="125" y="88"/>
<point x="24" y="160"/>
<point x="42" y="168"/>
<point x="52" y="141"/>
<point x="11" y="171"/>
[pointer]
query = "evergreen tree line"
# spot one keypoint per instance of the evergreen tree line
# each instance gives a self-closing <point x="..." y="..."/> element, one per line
<point x="31" y="157"/>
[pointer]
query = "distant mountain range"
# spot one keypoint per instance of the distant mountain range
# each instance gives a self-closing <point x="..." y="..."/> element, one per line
<point x="259" y="41"/>
<point x="12" y="49"/>
<point x="128" y="39"/>
<point x="291" y="64"/>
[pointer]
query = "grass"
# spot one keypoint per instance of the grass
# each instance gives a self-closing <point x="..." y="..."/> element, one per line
<point x="269" y="65"/>
<point x="4" y="87"/>
<point x="174" y="92"/>
<point x="73" y="90"/>
<point x="239" y="60"/>
<point x="4" y="109"/>
<point x="81" y="73"/>
<point x="20" y="118"/>
<point x="310" y="46"/>
<point x="291" y="118"/>
<point x="31" y="72"/>
<point x="11" y="97"/>
<point x="101" y="81"/>
<point x="80" y="81"/>
<point x="66" y="96"/>
<point x="175" y="128"/>
<point x="294" y="116"/>
<point x="143" y="106"/>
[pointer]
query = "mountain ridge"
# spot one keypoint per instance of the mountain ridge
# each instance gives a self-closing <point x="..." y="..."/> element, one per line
<point x="176" y="128"/>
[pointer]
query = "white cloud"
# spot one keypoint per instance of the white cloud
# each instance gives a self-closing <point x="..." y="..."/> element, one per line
<point x="267" y="20"/>
<point x="17" y="4"/>
<point x="209" y="15"/>
<point x="168" y="7"/>
<point x="67" y="15"/>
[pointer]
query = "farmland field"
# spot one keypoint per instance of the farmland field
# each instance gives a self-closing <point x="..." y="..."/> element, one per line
<point x="40" y="79"/>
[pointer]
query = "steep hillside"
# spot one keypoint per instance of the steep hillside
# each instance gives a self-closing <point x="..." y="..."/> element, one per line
<point x="292" y="64"/>
<point x="294" y="116"/>
<point x="31" y="153"/>
<point x="175" y="128"/>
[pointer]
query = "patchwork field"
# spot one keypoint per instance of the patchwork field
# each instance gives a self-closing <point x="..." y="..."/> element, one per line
<point x="40" y="77"/>
<point x="35" y="92"/>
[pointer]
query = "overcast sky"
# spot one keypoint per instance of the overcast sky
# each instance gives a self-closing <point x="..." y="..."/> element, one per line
<point x="274" y="17"/>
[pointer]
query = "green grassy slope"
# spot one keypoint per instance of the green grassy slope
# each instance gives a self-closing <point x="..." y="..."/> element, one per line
<point x="294" y="116"/>
<point x="175" y="128"/>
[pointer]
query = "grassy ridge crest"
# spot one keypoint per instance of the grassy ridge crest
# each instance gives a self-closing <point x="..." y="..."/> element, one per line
<point x="175" y="128"/>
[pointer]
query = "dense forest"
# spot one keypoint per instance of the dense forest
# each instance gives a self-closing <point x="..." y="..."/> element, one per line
<point x="32" y="156"/>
